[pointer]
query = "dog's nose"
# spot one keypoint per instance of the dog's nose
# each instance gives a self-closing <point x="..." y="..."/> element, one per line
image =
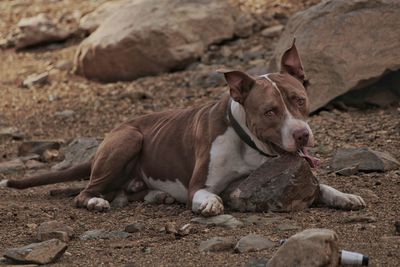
<point x="301" y="137"/>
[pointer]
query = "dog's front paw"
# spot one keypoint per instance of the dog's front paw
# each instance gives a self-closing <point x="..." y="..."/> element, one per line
<point x="348" y="202"/>
<point x="211" y="206"/>
<point x="98" y="204"/>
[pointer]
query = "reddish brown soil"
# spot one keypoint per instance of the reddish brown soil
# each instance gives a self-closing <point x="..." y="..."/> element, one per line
<point x="99" y="107"/>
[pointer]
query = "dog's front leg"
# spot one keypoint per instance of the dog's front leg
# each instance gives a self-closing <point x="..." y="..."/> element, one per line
<point x="336" y="199"/>
<point x="202" y="199"/>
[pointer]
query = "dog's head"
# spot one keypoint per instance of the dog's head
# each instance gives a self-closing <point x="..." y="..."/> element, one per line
<point x="276" y="104"/>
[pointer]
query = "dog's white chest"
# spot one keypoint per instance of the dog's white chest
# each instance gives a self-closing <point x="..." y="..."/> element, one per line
<point x="230" y="159"/>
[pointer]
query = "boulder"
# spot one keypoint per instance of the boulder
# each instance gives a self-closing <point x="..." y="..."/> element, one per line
<point x="366" y="160"/>
<point x="128" y="45"/>
<point x="310" y="248"/>
<point x="38" y="253"/>
<point x="334" y="41"/>
<point x="284" y="183"/>
<point x="37" y="30"/>
<point x="78" y="151"/>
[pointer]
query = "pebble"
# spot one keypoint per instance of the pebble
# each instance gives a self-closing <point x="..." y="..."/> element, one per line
<point x="217" y="244"/>
<point x="134" y="227"/>
<point x="252" y="242"/>
<point x="36" y="79"/>
<point x="224" y="220"/>
<point x="287" y="227"/>
<point x="102" y="234"/>
<point x="359" y="219"/>
<point x="273" y="31"/>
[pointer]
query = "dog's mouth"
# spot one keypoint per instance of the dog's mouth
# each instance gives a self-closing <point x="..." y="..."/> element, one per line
<point x="303" y="152"/>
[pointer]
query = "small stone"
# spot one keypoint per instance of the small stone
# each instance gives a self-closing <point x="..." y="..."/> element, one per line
<point x="54" y="229"/>
<point x="257" y="263"/>
<point x="36" y="79"/>
<point x="38" y="253"/>
<point x="64" y="65"/>
<point x="224" y="220"/>
<point x="253" y="242"/>
<point x="11" y="166"/>
<point x="34" y="164"/>
<point x="368" y="160"/>
<point x="273" y="31"/>
<point x="348" y="171"/>
<point x="397" y="226"/>
<point x="146" y="250"/>
<point x="102" y="234"/>
<point x="51" y="155"/>
<point x="170" y="228"/>
<point x="67" y="113"/>
<point x="287" y="227"/>
<point x="134" y="227"/>
<point x="38" y="146"/>
<point x="10" y="133"/>
<point x="185" y="230"/>
<point x="360" y="219"/>
<point x="217" y="244"/>
<point x="32" y="226"/>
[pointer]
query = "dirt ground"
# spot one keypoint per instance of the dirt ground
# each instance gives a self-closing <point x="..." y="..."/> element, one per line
<point x="99" y="107"/>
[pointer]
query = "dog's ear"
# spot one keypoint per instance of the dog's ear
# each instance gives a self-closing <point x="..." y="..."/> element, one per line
<point x="239" y="84"/>
<point x="291" y="63"/>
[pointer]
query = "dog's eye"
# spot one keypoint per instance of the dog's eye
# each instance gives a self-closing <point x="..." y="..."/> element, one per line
<point x="300" y="101"/>
<point x="269" y="113"/>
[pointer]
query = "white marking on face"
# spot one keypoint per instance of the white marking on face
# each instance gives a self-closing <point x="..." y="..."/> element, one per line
<point x="207" y="203"/>
<point x="290" y="125"/>
<point x="96" y="203"/>
<point x="175" y="188"/>
<point x="4" y="183"/>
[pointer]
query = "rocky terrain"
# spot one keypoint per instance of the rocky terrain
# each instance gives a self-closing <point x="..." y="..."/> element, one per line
<point x="60" y="105"/>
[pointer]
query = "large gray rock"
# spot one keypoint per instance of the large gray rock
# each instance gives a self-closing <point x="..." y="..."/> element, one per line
<point x="78" y="151"/>
<point x="285" y="183"/>
<point x="344" y="45"/>
<point x="310" y="248"/>
<point x="365" y="159"/>
<point x="128" y="44"/>
<point x="39" y="253"/>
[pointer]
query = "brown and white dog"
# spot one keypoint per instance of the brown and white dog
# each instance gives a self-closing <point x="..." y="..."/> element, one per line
<point x="193" y="154"/>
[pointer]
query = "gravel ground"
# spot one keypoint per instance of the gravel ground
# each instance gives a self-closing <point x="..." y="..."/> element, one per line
<point x="99" y="107"/>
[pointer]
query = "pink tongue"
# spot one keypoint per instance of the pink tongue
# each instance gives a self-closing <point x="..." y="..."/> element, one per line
<point x="314" y="162"/>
